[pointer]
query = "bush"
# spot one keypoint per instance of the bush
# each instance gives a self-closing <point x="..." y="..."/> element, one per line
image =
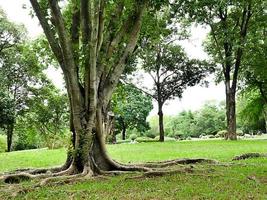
<point x="188" y="138"/>
<point x="240" y="132"/>
<point x="133" y="136"/>
<point x="26" y="140"/>
<point x="150" y="134"/>
<point x="221" y="134"/>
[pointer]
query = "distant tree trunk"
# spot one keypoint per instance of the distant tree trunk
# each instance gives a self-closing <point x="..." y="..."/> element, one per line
<point x="123" y="132"/>
<point x="161" y="125"/>
<point x="265" y="116"/>
<point x="264" y="97"/>
<point x="10" y="130"/>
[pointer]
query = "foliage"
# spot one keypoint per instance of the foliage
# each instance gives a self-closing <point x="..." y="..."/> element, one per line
<point x="48" y="116"/>
<point x="131" y="108"/>
<point x="232" y="24"/>
<point x="6" y="110"/>
<point x="10" y="33"/>
<point x="19" y="70"/>
<point x="133" y="137"/>
<point x="251" y="111"/>
<point x="208" y="120"/>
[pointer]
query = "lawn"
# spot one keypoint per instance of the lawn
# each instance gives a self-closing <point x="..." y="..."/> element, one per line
<point x="245" y="180"/>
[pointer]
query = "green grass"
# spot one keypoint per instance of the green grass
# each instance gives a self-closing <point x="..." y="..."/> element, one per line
<point x="2" y="143"/>
<point x="233" y="182"/>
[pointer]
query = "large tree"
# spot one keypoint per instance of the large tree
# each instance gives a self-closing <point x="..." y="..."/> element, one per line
<point x="92" y="41"/>
<point x="230" y="23"/>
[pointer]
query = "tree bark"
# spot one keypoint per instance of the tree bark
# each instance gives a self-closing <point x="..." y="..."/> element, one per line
<point x="161" y="125"/>
<point x="89" y="95"/>
<point x="10" y="130"/>
<point x="123" y="133"/>
<point x="230" y="112"/>
<point x="265" y="116"/>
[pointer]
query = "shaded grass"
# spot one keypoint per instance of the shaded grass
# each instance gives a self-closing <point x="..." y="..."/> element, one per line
<point x="2" y="143"/>
<point x="233" y="182"/>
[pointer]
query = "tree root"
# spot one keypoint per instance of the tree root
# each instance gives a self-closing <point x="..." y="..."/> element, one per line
<point x="249" y="155"/>
<point x="58" y="174"/>
<point x="186" y="161"/>
<point x="158" y="173"/>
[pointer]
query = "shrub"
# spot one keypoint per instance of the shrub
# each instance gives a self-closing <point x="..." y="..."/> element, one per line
<point x="133" y="136"/>
<point x="240" y="132"/>
<point x="221" y="133"/>
<point x="150" y="134"/>
<point x="188" y="138"/>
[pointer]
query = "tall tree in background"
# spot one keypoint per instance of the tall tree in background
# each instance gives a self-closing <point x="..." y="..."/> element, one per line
<point x="254" y="75"/>
<point x="229" y="23"/>
<point x="48" y="113"/>
<point x="251" y="110"/>
<point x="19" y="69"/>
<point x="172" y="72"/>
<point x="92" y="41"/>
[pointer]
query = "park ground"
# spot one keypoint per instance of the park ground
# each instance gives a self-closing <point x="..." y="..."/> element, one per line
<point x="246" y="179"/>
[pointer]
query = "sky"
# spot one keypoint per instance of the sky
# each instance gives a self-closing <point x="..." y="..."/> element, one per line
<point x="193" y="98"/>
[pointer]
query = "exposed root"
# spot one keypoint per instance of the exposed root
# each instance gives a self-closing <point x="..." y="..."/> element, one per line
<point x="162" y="173"/>
<point x="250" y="155"/>
<point x="168" y="163"/>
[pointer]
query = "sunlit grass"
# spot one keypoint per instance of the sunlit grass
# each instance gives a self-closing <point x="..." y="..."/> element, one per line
<point x="247" y="181"/>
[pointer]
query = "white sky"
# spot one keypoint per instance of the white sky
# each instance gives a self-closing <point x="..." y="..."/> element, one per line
<point x="193" y="98"/>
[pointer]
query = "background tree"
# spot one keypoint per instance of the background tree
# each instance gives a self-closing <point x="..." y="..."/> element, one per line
<point x="10" y="33"/>
<point x="208" y="120"/>
<point x="251" y="111"/>
<point x="7" y="115"/>
<point x="48" y="114"/>
<point x="19" y="69"/>
<point x="131" y="108"/>
<point x="230" y="24"/>
<point x="172" y="72"/>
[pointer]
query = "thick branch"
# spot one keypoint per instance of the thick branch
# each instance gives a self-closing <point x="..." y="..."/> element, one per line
<point x="48" y="31"/>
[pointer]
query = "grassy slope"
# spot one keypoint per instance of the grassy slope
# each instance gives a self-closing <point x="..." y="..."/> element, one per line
<point x="227" y="182"/>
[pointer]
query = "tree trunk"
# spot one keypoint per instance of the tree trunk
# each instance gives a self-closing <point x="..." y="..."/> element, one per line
<point x="161" y="125"/>
<point x="123" y="133"/>
<point x="10" y="130"/>
<point x="265" y="116"/>
<point x="230" y="113"/>
<point x="89" y="95"/>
